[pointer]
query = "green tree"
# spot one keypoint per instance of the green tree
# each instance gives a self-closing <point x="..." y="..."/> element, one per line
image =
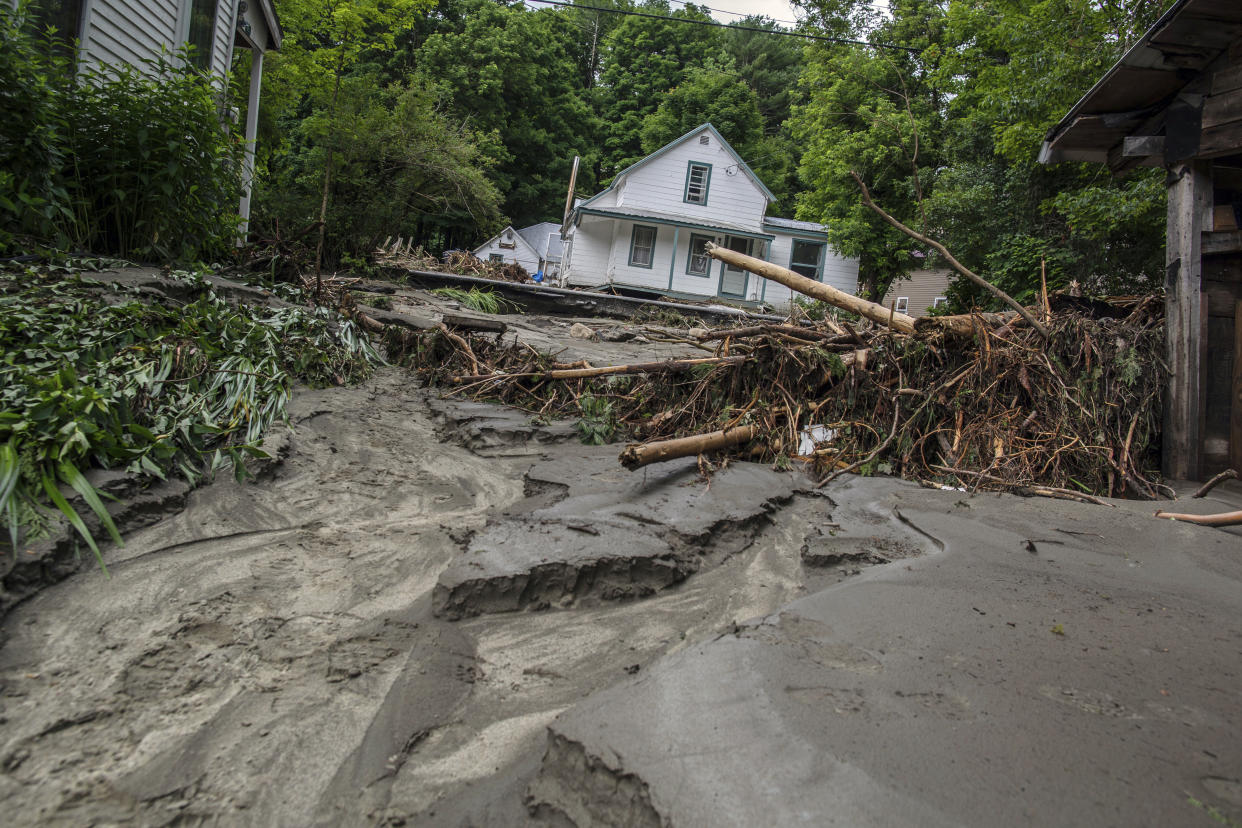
<point x="324" y="40"/>
<point x="643" y="60"/>
<point x="512" y="73"/>
<point x="404" y="167"/>
<point x="706" y="95"/>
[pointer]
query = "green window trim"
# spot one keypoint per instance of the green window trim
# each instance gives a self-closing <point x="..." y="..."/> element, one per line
<point x="707" y="182"/>
<point x="690" y="257"/>
<point x="650" y="246"/>
<point x="819" y="259"/>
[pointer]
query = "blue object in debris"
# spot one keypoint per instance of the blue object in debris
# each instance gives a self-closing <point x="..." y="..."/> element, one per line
<point x="538" y="277"/>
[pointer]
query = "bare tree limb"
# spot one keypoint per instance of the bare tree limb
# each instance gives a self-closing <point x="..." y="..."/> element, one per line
<point x="1227" y="474"/>
<point x="954" y="263"/>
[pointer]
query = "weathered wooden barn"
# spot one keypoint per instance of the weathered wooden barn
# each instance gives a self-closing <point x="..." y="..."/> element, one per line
<point x="1175" y="101"/>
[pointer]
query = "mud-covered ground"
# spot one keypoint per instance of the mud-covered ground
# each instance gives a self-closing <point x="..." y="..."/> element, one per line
<point x="438" y="613"/>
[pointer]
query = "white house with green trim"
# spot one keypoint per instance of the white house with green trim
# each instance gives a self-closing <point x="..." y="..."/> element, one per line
<point x="648" y="231"/>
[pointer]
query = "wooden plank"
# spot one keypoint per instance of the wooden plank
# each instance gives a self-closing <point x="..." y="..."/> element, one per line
<point x="1218" y="242"/>
<point x="1190" y="194"/>
<point x="1220" y="298"/>
<point x="1235" y="408"/>
<point x="1224" y="108"/>
<point x="1225" y="139"/>
<point x="1226" y="80"/>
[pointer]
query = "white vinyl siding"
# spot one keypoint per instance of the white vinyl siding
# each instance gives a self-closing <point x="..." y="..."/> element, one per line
<point x="510" y="247"/>
<point x="658" y="186"/>
<point x="920" y="290"/>
<point x="136" y="31"/>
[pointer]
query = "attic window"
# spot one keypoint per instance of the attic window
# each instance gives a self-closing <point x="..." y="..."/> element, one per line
<point x="698" y="178"/>
<point x="704" y="140"/>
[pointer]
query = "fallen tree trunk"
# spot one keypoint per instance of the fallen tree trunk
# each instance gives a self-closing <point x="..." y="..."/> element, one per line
<point x="966" y="324"/>
<point x="1220" y="519"/>
<point x="756" y="330"/>
<point x="638" y="455"/>
<point x="667" y="366"/>
<point x="816" y="290"/>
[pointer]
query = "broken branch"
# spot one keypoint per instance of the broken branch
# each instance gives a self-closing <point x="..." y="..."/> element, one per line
<point x="1227" y="474"/>
<point x="668" y="366"/>
<point x="1220" y="519"/>
<point x="638" y="455"/>
<point x="948" y="257"/>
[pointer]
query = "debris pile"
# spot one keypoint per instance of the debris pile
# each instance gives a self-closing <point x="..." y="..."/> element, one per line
<point x="980" y="401"/>
<point x="404" y="254"/>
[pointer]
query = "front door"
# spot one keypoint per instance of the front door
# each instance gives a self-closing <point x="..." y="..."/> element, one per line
<point x="733" y="279"/>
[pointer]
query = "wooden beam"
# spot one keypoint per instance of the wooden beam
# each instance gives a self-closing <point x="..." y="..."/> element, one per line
<point x="1235" y="408"/>
<point x="1216" y="242"/>
<point x="1224" y="108"/>
<point x="1227" y="79"/>
<point x="1190" y="196"/>
<point x="1142" y="146"/>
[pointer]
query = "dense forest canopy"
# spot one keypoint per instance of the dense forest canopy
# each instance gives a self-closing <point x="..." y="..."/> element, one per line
<point x="442" y="121"/>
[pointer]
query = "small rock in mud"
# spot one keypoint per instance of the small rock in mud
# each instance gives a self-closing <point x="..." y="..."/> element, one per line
<point x="580" y="331"/>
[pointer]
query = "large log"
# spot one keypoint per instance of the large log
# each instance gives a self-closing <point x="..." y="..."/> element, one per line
<point x="966" y="324"/>
<point x="667" y="366"/>
<point x="638" y="455"/>
<point x="816" y="290"/>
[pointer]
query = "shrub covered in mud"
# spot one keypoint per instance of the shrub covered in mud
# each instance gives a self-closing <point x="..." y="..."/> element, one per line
<point x="113" y="379"/>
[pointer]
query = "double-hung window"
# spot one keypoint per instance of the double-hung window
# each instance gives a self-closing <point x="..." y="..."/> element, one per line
<point x="642" y="246"/>
<point x="698" y="263"/>
<point x="698" y="179"/>
<point x="807" y="258"/>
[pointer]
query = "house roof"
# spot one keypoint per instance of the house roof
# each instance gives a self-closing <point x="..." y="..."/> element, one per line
<point x="671" y="220"/>
<point x="517" y="237"/>
<point x="539" y="235"/>
<point x="273" y="23"/>
<point x="662" y="150"/>
<point x="794" y="226"/>
<point x="1178" y="48"/>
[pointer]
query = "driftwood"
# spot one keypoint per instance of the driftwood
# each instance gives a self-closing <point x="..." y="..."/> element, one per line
<point x="954" y="263"/>
<point x="667" y="366"/>
<point x="966" y="324"/>
<point x="638" y="455"/>
<point x="1220" y="519"/>
<point x="808" y="334"/>
<point x="816" y="290"/>
<point x="1227" y="474"/>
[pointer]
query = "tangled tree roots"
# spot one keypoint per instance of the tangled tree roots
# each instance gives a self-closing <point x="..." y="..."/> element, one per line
<point x="1000" y="410"/>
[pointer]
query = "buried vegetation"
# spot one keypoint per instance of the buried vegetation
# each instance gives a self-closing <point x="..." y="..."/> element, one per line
<point x="1078" y="415"/>
<point x="122" y="380"/>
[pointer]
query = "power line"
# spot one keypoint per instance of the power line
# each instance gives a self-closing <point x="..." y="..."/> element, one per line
<point x="821" y="38"/>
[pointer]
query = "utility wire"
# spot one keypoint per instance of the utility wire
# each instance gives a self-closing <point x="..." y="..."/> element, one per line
<point x="821" y="38"/>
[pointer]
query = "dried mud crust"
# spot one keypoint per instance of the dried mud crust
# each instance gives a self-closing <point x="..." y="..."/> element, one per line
<point x="612" y="535"/>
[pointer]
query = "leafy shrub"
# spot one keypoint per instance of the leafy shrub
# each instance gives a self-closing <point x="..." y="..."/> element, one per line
<point x="128" y="162"/>
<point x="151" y="388"/>
<point x="31" y="133"/>
<point x="598" y="424"/>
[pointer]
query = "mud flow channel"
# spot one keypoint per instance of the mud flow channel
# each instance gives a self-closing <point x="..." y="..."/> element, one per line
<point x="437" y="613"/>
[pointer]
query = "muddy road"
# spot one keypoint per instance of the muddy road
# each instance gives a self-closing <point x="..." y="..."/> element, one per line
<point x="432" y="613"/>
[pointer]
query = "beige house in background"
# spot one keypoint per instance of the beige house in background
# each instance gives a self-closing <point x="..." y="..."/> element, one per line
<point x="924" y="290"/>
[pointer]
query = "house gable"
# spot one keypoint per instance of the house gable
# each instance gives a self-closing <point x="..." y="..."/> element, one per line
<point x="729" y="191"/>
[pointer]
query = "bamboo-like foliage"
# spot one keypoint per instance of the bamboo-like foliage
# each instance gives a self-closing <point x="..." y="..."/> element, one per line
<point x="89" y="380"/>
